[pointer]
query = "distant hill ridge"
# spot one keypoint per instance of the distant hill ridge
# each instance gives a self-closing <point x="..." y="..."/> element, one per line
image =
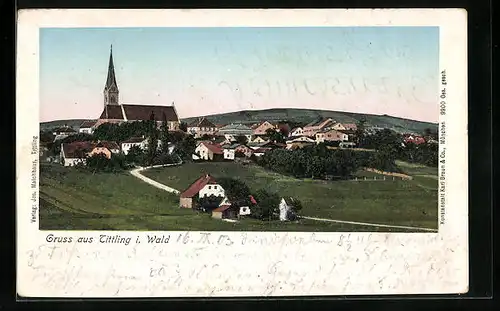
<point x="291" y="114"/>
<point x="309" y="115"/>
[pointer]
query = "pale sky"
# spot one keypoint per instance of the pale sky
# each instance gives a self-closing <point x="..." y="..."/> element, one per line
<point x="379" y="70"/>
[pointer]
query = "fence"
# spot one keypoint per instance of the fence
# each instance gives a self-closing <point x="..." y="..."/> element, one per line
<point x="390" y="174"/>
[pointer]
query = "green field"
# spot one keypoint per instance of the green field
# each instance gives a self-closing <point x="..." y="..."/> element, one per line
<point x="405" y="203"/>
<point x="78" y="200"/>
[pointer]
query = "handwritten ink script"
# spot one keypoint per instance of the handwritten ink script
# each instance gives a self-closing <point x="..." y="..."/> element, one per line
<point x="210" y="264"/>
<point x="34" y="180"/>
<point x="442" y="153"/>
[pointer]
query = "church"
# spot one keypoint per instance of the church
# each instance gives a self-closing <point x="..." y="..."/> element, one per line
<point x="116" y="112"/>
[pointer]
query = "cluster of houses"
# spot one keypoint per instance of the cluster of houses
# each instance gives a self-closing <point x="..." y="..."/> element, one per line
<point x="219" y="205"/>
<point x="75" y="152"/>
<point x="224" y="141"/>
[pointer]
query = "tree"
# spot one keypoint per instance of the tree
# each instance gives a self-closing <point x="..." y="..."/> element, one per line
<point x="360" y="132"/>
<point x="275" y="136"/>
<point x="241" y="139"/>
<point x="152" y="146"/>
<point x="183" y="126"/>
<point x="164" y="138"/>
<point x="186" y="147"/>
<point x="135" y="155"/>
<point x="267" y="204"/>
<point x="236" y="191"/>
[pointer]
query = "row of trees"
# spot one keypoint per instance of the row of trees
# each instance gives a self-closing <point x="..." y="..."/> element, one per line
<point x="318" y="162"/>
<point x="391" y="146"/>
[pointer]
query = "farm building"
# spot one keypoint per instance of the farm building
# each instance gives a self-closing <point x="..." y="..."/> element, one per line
<point x="205" y="186"/>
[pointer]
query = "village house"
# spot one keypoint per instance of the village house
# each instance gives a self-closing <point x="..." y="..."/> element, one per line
<point x="208" y="151"/>
<point x="261" y="129"/>
<point x="230" y="151"/>
<point x="243" y="149"/>
<point x="413" y="138"/>
<point x="63" y="132"/>
<point x="232" y="131"/>
<point x="330" y="135"/>
<point x="312" y="128"/>
<point x="76" y="152"/>
<point x="87" y="127"/>
<point x="225" y="211"/>
<point x="350" y="127"/>
<point x="296" y="132"/>
<point x="142" y="143"/>
<point x="205" y="186"/>
<point x="299" y="142"/>
<point x="259" y="140"/>
<point x="116" y="112"/>
<point x="201" y="127"/>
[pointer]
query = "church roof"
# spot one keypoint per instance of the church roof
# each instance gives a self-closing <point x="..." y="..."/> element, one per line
<point x="139" y="113"/>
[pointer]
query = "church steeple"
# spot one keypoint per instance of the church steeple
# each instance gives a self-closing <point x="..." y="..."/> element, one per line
<point x="111" y="87"/>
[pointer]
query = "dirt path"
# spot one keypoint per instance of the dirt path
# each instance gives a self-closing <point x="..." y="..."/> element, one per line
<point x="369" y="224"/>
<point x="137" y="173"/>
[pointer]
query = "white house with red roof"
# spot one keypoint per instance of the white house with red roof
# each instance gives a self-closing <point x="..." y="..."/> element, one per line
<point x="205" y="186"/>
<point x="208" y="151"/>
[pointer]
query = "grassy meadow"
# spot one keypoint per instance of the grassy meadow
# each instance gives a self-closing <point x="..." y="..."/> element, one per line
<point x="405" y="203"/>
<point x="71" y="199"/>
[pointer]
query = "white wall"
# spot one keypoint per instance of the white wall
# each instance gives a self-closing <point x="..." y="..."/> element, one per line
<point x="86" y="130"/>
<point x="229" y="154"/>
<point x="127" y="146"/>
<point x="204" y="153"/>
<point x="284" y="208"/>
<point x="209" y="190"/>
<point x="73" y="161"/>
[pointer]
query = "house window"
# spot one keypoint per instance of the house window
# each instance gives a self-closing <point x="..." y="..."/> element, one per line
<point x="209" y="187"/>
<point x="215" y="187"/>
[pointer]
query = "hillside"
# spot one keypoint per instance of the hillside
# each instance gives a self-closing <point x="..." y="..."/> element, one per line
<point x="309" y="115"/>
<point x="296" y="115"/>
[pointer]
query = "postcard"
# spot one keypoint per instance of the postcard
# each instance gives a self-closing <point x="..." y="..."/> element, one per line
<point x="241" y="153"/>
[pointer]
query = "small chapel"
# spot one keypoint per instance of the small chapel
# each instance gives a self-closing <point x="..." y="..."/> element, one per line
<point x="116" y="112"/>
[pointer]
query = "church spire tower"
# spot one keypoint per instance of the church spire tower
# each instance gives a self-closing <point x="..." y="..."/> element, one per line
<point x="111" y="88"/>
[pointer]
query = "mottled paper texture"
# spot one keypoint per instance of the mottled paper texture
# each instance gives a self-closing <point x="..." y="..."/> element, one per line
<point x="218" y="264"/>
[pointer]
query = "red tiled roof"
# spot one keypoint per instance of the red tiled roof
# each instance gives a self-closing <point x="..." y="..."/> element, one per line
<point x="215" y="148"/>
<point x="195" y="187"/>
<point x="222" y="208"/>
<point x="77" y="149"/>
<point x="350" y="126"/>
<point x="108" y="144"/>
